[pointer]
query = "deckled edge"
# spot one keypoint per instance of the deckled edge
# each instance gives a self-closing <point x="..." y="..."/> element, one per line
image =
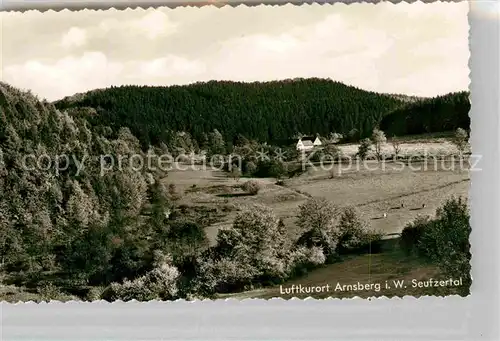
<point x="101" y="6"/>
<point x="221" y="4"/>
<point x="247" y="300"/>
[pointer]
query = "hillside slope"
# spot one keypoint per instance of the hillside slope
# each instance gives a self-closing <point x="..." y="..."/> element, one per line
<point x="55" y="212"/>
<point x="430" y="115"/>
<point x="263" y="111"/>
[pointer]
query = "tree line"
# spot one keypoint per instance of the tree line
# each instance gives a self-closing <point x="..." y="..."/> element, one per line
<point x="431" y="115"/>
<point x="262" y="111"/>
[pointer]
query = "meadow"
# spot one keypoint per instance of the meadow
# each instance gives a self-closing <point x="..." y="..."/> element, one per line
<point x="373" y="188"/>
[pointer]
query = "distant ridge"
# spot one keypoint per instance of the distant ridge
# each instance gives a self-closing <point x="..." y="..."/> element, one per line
<point x="265" y="111"/>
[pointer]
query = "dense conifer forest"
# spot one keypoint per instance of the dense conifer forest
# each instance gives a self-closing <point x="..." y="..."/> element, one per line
<point x="431" y="115"/>
<point x="267" y="111"/>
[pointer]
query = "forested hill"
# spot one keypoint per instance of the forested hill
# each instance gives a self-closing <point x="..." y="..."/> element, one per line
<point x="263" y="111"/>
<point x="55" y="212"/>
<point x="442" y="113"/>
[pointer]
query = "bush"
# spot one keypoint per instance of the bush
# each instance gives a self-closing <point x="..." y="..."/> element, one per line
<point x="354" y="235"/>
<point x="303" y="259"/>
<point x="254" y="250"/>
<point x="158" y="284"/>
<point x="364" y="148"/>
<point x="95" y="293"/>
<point x="252" y="187"/>
<point x="270" y="169"/>
<point x="49" y="292"/>
<point x="316" y="213"/>
<point x="446" y="240"/>
<point x="223" y="276"/>
<point x="317" y="219"/>
<point x="250" y="167"/>
<point x="412" y="234"/>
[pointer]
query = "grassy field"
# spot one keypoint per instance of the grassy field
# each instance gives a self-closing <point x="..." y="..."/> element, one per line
<point x="372" y="188"/>
<point x="372" y="192"/>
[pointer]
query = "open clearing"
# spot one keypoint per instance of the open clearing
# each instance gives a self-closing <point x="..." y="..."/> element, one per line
<point x="438" y="146"/>
<point x="371" y="192"/>
<point x="375" y="192"/>
<point x="373" y="188"/>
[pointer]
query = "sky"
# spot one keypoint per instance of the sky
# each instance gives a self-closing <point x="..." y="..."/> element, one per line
<point x="414" y="49"/>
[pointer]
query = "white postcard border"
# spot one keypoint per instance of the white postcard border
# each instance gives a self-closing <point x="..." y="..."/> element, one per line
<point x="427" y="318"/>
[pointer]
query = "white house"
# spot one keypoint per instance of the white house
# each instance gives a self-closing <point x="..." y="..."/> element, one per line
<point x="317" y="142"/>
<point x="308" y="143"/>
<point x="305" y="145"/>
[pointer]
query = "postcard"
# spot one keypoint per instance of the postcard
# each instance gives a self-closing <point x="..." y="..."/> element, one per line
<point x="235" y="152"/>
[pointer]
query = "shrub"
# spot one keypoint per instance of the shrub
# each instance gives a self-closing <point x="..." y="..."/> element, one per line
<point x="317" y="220"/>
<point x="95" y="293"/>
<point x="412" y="234"/>
<point x="253" y="250"/>
<point x="354" y="235"/>
<point x="250" y="167"/>
<point x="364" y="148"/>
<point x="252" y="187"/>
<point x="270" y="169"/>
<point x="328" y="154"/>
<point x="446" y="240"/>
<point x="49" y="292"/>
<point x="316" y="213"/>
<point x="159" y="283"/>
<point x="303" y="259"/>
<point x="333" y="151"/>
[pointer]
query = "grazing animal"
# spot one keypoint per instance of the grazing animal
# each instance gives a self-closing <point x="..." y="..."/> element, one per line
<point x="423" y="205"/>
<point x="385" y="215"/>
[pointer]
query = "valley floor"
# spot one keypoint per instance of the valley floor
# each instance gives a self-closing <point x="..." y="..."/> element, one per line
<point x="371" y="192"/>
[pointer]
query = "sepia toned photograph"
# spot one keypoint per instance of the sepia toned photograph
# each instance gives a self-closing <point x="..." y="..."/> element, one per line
<point x="235" y="152"/>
